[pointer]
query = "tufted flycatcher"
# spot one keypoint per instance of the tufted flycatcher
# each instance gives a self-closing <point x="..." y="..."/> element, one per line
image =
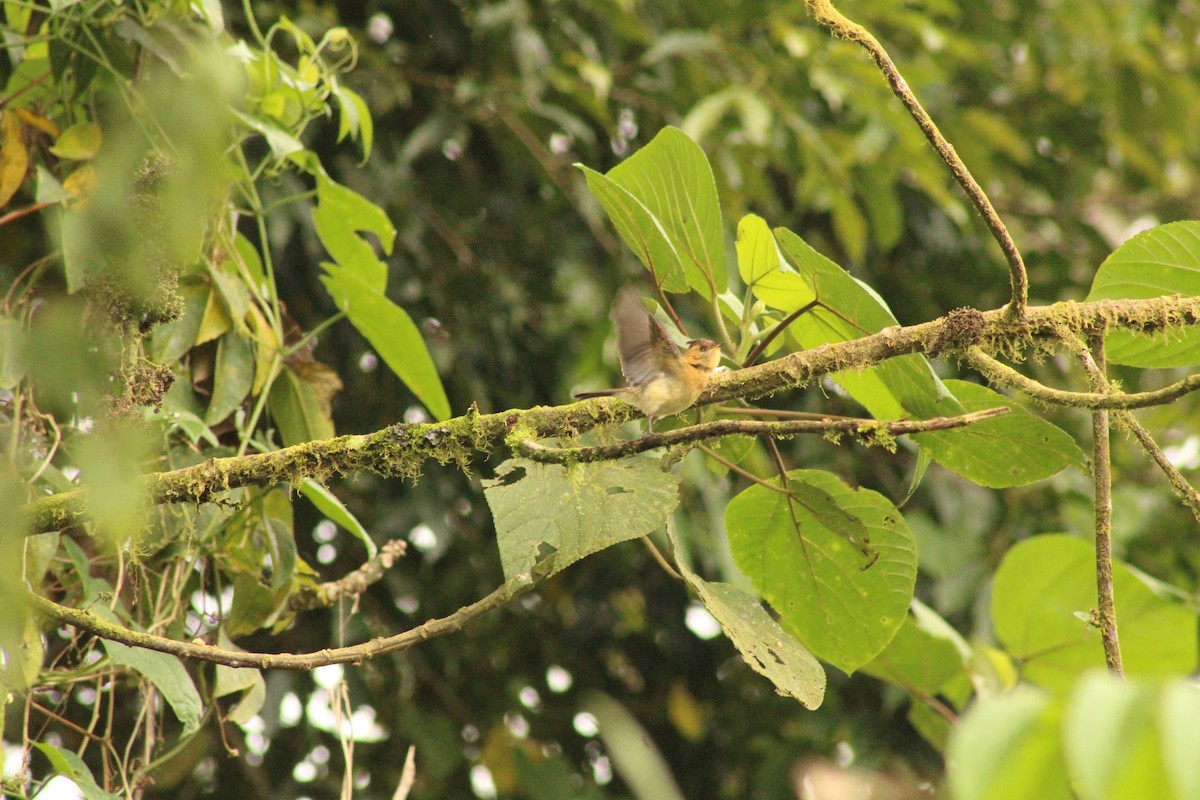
<point x="662" y="380"/>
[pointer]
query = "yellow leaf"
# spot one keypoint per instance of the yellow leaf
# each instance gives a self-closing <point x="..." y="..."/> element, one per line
<point x="266" y="348"/>
<point x="14" y="158"/>
<point x="686" y="712"/>
<point x="216" y="320"/>
<point x="34" y="121"/>
<point x="79" y="142"/>
<point x="81" y="185"/>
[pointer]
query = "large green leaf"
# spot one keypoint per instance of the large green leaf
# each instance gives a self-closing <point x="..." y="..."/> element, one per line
<point x="670" y="178"/>
<point x="549" y="517"/>
<point x="641" y="231"/>
<point x="392" y="333"/>
<point x="844" y="599"/>
<point x="1043" y="587"/>
<point x="849" y="309"/>
<point x="169" y="677"/>
<point x="1161" y="261"/>
<point x="1007" y="747"/>
<point x="1012" y="450"/>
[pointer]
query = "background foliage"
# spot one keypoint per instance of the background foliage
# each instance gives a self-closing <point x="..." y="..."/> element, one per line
<point x="264" y="209"/>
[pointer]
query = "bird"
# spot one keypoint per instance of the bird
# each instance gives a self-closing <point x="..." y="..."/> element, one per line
<point x="662" y="380"/>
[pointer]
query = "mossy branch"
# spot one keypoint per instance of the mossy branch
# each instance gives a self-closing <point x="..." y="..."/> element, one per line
<point x="867" y="431"/>
<point x="1003" y="375"/>
<point x="403" y="449"/>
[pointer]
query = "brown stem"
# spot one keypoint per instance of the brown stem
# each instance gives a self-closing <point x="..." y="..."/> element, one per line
<point x="828" y="16"/>
<point x="778" y="329"/>
<point x="1102" y="475"/>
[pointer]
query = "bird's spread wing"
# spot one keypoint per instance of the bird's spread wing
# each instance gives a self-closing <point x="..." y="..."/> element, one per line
<point x="646" y="351"/>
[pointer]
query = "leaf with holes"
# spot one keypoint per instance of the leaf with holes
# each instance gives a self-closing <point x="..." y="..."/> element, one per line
<point x="549" y="517"/>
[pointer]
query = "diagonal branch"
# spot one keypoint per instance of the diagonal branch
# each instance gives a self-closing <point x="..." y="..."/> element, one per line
<point x="354" y="654"/>
<point x="828" y="16"/>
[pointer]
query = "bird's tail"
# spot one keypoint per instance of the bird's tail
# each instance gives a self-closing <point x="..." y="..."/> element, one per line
<point x="589" y="395"/>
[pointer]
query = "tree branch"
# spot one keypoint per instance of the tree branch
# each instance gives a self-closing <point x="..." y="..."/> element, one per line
<point x="354" y="654"/>
<point x="351" y="585"/>
<point x="866" y="431"/>
<point x="828" y="16"/>
<point x="1002" y="374"/>
<point x="402" y="449"/>
<point x="1102" y="475"/>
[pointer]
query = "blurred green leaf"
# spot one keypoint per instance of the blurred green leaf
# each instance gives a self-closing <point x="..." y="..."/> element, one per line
<point x="282" y="143"/>
<point x="167" y="674"/>
<point x="636" y="758"/>
<point x="297" y="410"/>
<point x="549" y="517"/>
<point x="70" y="765"/>
<point x="1179" y="707"/>
<point x="1008" y="746"/>
<point x="844" y="605"/>
<point x="355" y="119"/>
<point x="392" y="333"/>
<point x="1160" y="261"/>
<point x="79" y="142"/>
<point x="1044" y="582"/>
<point x="169" y="341"/>
<point x="341" y="214"/>
<point x="917" y="660"/>
<point x="12" y="351"/>
<point x="1112" y="742"/>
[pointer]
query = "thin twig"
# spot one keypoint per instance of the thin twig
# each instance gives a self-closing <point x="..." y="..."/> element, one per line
<point x="1003" y="374"/>
<point x="351" y="585"/>
<point x="866" y="431"/>
<point x="826" y="15"/>
<point x="1183" y="490"/>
